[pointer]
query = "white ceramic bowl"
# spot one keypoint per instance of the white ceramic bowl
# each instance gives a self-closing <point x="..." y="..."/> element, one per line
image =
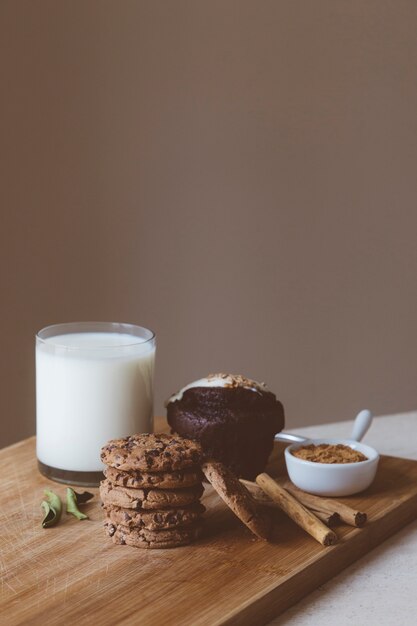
<point x="332" y="479"/>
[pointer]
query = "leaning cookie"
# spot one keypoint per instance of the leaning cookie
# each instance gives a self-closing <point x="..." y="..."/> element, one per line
<point x="238" y="498"/>
<point x="160" y="519"/>
<point x="143" y="538"/>
<point x="137" y="499"/>
<point x="151" y="453"/>
<point x="161" y="480"/>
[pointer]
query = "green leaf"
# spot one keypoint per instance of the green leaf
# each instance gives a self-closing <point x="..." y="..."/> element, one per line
<point x="52" y="507"/>
<point x="72" y="504"/>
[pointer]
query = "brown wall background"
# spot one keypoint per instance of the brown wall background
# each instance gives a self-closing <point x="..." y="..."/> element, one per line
<point x="238" y="175"/>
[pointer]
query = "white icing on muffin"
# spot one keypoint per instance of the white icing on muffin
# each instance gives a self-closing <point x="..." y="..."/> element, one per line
<point x="221" y="380"/>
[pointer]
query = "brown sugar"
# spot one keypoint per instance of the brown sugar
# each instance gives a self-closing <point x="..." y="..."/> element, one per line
<point x="329" y="453"/>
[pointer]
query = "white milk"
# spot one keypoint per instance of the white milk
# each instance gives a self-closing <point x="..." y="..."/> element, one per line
<point x="90" y="387"/>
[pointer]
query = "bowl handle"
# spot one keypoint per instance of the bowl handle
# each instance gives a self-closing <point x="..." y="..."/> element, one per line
<point x="288" y="438"/>
<point x="361" y="424"/>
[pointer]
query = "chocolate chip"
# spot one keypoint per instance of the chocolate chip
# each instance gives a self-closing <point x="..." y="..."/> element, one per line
<point x="111" y="529"/>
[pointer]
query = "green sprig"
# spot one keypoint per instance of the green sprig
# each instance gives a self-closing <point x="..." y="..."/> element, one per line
<point x="74" y="499"/>
<point x="52" y="507"/>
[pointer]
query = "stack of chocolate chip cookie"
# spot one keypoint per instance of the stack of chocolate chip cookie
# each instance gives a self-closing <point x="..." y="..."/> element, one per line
<point x="151" y="495"/>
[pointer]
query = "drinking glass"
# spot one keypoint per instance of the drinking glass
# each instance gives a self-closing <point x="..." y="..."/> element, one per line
<point x="94" y="382"/>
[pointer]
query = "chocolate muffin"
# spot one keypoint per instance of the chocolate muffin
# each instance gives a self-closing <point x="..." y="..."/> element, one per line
<point x="232" y="417"/>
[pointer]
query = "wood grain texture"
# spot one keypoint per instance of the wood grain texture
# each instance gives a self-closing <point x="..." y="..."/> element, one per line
<point x="72" y="573"/>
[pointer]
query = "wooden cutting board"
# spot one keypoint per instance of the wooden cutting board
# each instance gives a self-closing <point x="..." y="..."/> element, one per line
<point x="73" y="574"/>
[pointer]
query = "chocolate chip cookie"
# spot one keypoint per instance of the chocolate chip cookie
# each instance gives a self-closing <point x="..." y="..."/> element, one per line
<point x="151" y="453"/>
<point x="138" y="499"/>
<point x="155" y="520"/>
<point x="238" y="498"/>
<point x="144" y="538"/>
<point x="156" y="480"/>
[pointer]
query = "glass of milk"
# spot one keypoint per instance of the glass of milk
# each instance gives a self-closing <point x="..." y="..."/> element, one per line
<point x="94" y="382"/>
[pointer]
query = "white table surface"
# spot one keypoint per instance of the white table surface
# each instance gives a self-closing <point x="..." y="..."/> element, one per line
<point x="381" y="588"/>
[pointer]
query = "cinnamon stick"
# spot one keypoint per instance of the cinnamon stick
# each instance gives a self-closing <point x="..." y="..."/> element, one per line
<point x="329" y="518"/>
<point x="296" y="511"/>
<point x="327" y="505"/>
<point x="256" y="492"/>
